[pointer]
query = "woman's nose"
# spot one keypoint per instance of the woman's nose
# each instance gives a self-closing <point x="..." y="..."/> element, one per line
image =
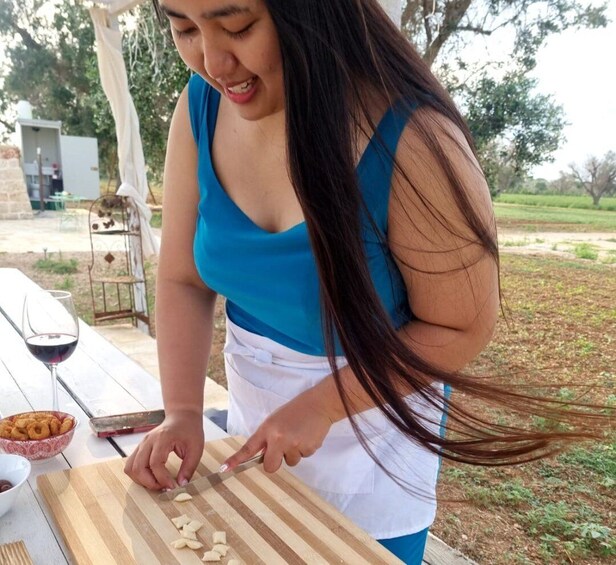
<point x="218" y="61"/>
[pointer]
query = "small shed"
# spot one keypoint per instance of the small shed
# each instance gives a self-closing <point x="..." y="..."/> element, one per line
<point x="68" y="163"/>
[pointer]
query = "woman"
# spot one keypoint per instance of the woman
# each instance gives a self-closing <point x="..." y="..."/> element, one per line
<point x="321" y="179"/>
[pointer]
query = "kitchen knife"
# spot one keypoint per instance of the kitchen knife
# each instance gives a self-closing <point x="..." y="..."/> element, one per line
<point x="203" y="483"/>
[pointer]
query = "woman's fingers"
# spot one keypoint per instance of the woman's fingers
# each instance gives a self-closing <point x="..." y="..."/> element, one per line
<point x="254" y="444"/>
<point x="158" y="458"/>
<point x="137" y="467"/>
<point x="292" y="457"/>
<point x="189" y="464"/>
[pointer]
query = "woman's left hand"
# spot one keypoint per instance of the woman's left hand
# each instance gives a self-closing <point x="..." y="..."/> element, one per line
<point x="296" y="430"/>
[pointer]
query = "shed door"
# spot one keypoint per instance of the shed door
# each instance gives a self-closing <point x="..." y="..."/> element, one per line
<point x="80" y="166"/>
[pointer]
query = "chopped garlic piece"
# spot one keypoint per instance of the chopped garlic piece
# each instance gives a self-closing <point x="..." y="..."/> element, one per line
<point x="181" y="521"/>
<point x="211" y="556"/>
<point x="188" y="534"/>
<point x="182" y="497"/>
<point x="178" y="543"/>
<point x="194" y="544"/>
<point x="193" y="525"/>
<point x="219" y="537"/>
<point x="220" y="548"/>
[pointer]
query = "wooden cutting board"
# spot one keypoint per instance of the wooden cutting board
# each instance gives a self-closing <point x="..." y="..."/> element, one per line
<point x="269" y="519"/>
<point x="14" y="553"/>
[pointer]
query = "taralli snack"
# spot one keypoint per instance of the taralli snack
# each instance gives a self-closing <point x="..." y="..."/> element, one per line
<point x="39" y="430"/>
<point x="17" y="433"/>
<point x="67" y="424"/>
<point x="35" y="426"/>
<point x="55" y="425"/>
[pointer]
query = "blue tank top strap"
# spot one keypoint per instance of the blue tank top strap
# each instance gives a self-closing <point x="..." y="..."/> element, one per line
<point x="203" y="101"/>
<point x="393" y="123"/>
<point x="376" y="166"/>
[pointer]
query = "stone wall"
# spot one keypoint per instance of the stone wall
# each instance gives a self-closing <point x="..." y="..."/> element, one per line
<point x="14" y="201"/>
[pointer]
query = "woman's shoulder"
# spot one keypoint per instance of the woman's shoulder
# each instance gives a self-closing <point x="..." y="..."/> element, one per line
<point x="429" y="139"/>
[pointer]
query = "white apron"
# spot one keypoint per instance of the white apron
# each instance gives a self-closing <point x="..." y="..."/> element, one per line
<point x="263" y="375"/>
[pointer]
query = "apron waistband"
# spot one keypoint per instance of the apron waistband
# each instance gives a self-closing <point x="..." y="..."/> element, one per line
<point x="267" y="351"/>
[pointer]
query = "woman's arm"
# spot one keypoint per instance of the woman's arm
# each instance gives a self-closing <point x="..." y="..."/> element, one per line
<point x="452" y="285"/>
<point x="452" y="288"/>
<point x="184" y="320"/>
<point x="184" y="305"/>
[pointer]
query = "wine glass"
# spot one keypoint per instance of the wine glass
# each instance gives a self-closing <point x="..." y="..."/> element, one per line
<point x="50" y="329"/>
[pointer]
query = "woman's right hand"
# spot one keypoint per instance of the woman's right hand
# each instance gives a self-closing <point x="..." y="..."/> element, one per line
<point x="180" y="432"/>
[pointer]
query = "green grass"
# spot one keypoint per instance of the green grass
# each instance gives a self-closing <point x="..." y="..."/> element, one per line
<point x="590" y="219"/>
<point x="558" y="201"/>
<point x="585" y="251"/>
<point x="575" y="529"/>
<point x="57" y="266"/>
<point x="157" y="220"/>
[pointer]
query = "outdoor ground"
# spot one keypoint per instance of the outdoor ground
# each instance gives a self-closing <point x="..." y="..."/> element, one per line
<point x="560" y="329"/>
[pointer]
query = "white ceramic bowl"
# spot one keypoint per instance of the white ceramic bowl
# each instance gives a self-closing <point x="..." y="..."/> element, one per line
<point x="16" y="469"/>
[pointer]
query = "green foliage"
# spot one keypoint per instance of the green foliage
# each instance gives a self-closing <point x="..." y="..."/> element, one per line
<point x="574" y="529"/>
<point x="584" y="220"/>
<point x="514" y="128"/>
<point x="53" y="65"/>
<point x="57" y="266"/>
<point x="157" y="220"/>
<point x="157" y="76"/>
<point x="67" y="284"/>
<point x="444" y="29"/>
<point x="557" y="201"/>
<point x="599" y="460"/>
<point x="585" y="251"/>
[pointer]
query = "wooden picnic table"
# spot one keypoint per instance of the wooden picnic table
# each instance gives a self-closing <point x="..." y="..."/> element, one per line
<point x="97" y="380"/>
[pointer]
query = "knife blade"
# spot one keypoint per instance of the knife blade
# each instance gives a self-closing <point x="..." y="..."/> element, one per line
<point x="203" y="483"/>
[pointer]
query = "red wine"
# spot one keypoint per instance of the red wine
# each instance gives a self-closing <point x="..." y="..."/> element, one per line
<point x="52" y="348"/>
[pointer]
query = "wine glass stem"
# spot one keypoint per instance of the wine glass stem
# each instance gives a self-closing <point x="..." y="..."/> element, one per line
<point x="54" y="387"/>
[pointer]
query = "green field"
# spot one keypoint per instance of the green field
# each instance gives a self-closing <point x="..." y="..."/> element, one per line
<point x="557" y="201"/>
<point x="537" y="217"/>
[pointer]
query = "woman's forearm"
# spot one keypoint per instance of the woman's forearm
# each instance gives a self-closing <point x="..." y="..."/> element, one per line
<point x="184" y="327"/>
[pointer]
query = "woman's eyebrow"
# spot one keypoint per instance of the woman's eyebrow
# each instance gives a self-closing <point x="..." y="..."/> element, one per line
<point x="223" y="12"/>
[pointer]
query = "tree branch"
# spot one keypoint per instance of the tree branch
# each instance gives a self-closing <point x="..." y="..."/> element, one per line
<point x="454" y="12"/>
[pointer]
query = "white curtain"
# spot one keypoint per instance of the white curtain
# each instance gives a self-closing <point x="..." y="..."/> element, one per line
<point x="131" y="162"/>
<point x="394" y="9"/>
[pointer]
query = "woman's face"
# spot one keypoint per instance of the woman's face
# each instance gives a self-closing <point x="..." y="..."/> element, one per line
<point x="233" y="44"/>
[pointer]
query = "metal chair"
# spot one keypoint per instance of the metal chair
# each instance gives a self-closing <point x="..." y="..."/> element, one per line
<point x="114" y="232"/>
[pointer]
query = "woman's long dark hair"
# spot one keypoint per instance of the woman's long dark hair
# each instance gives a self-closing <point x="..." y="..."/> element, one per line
<point x="333" y="52"/>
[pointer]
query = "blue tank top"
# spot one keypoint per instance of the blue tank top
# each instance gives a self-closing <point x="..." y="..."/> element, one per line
<point x="269" y="279"/>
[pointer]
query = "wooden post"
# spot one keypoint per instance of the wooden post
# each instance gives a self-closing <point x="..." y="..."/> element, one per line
<point x="39" y="160"/>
